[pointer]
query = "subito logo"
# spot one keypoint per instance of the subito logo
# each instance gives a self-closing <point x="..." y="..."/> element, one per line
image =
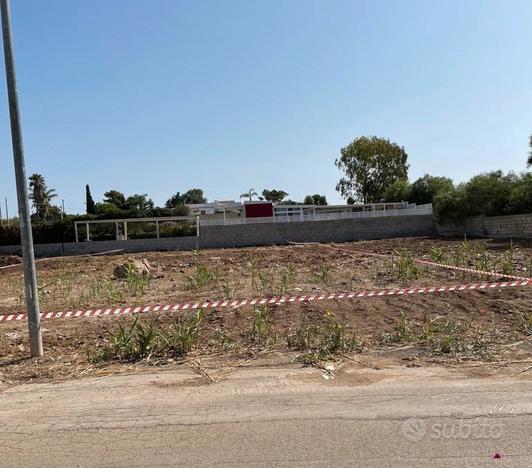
<point x="414" y="429"/>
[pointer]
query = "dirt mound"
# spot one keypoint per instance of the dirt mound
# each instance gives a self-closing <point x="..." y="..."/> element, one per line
<point x="139" y="267"/>
<point x="7" y="260"/>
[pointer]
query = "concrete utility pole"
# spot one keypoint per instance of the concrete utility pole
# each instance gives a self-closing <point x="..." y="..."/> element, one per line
<point x="30" y="274"/>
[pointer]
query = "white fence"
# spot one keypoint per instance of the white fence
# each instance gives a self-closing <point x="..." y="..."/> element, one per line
<point x="293" y="218"/>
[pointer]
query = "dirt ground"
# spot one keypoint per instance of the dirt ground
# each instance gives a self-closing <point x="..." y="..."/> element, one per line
<point x="479" y="332"/>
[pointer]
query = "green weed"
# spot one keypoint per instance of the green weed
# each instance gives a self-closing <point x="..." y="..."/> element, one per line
<point x="304" y="336"/>
<point x="287" y="275"/>
<point x="184" y="333"/>
<point x="404" y="267"/>
<point x="507" y="261"/>
<point x="322" y="274"/>
<point x="403" y="331"/>
<point x="261" y="325"/>
<point x="322" y="342"/>
<point x="131" y="343"/>
<point x="438" y="255"/>
<point x="137" y="283"/>
<point x="203" y="275"/>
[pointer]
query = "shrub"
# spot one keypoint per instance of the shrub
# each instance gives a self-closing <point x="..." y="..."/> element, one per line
<point x="424" y="189"/>
<point x="490" y="194"/>
<point x="400" y="190"/>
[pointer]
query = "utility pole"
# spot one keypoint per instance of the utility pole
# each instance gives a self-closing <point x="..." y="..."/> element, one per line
<point x="30" y="274"/>
<point x="7" y="212"/>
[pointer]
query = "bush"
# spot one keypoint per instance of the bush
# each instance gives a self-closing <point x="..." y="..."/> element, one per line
<point x="425" y="189"/>
<point x="451" y="205"/>
<point x="491" y="194"/>
<point x="399" y="191"/>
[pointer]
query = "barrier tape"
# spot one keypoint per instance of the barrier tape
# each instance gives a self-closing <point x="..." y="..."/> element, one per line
<point x="225" y="303"/>
<point x="423" y="262"/>
<point x="471" y="270"/>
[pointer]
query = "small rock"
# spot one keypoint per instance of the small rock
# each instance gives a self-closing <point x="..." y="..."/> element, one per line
<point x="140" y="267"/>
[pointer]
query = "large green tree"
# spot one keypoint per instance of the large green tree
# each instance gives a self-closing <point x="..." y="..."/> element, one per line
<point x="41" y="197"/>
<point x="191" y="197"/>
<point x="274" y="196"/>
<point x="140" y="204"/>
<point x="424" y="189"/>
<point x="116" y="198"/>
<point x="370" y="165"/>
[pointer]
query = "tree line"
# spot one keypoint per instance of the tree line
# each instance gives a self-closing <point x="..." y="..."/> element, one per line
<point x="376" y="170"/>
<point x="116" y="204"/>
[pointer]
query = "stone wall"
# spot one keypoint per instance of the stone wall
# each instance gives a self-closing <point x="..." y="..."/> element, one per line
<point x="81" y="248"/>
<point x="496" y="227"/>
<point x="340" y="230"/>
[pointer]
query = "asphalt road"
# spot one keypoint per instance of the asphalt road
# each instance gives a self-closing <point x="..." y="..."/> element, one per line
<point x="279" y="417"/>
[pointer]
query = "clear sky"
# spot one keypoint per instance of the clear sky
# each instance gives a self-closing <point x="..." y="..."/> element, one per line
<point x="159" y="96"/>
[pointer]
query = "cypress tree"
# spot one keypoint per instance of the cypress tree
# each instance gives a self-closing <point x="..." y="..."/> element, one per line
<point x="91" y="207"/>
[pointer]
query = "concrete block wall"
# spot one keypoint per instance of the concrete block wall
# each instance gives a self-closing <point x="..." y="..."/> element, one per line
<point x="496" y="227"/>
<point x="340" y="230"/>
<point x="81" y="248"/>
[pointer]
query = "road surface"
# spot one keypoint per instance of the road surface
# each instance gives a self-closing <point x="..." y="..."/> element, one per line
<point x="270" y="417"/>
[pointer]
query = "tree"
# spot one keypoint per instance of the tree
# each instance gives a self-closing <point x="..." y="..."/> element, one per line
<point x="41" y="197"/>
<point x="424" y="189"/>
<point x="530" y="154"/>
<point x="274" y="196"/>
<point x="489" y="194"/>
<point x="315" y="199"/>
<point x="250" y="194"/>
<point x="89" y="201"/>
<point x="400" y="190"/>
<point x="370" y="164"/>
<point x="140" y="204"/>
<point x="174" y="201"/>
<point x="116" y="198"/>
<point x="106" y="209"/>
<point x="289" y="202"/>
<point x="193" y="197"/>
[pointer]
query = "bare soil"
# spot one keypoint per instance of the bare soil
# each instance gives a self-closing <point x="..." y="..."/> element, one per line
<point x="486" y="326"/>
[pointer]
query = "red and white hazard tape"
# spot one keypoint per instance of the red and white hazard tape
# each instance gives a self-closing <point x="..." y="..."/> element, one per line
<point x="470" y="270"/>
<point x="425" y="262"/>
<point x="224" y="303"/>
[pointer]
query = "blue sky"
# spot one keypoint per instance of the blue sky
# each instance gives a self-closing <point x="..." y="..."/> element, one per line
<point x="161" y="96"/>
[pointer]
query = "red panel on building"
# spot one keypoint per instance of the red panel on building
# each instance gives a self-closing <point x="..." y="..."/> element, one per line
<point x="258" y="210"/>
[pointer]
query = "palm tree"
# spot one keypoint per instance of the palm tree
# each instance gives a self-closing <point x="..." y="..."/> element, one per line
<point x="250" y="194"/>
<point x="41" y="196"/>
